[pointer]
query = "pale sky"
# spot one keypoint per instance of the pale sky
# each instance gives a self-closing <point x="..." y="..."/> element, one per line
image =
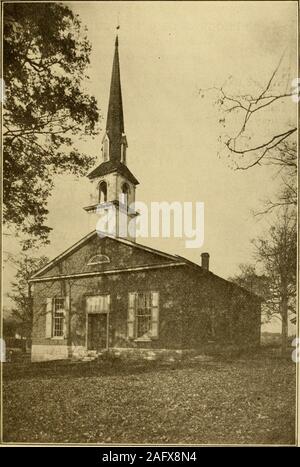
<point x="168" y="51"/>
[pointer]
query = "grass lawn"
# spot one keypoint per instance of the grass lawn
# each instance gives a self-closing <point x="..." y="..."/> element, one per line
<point x="245" y="400"/>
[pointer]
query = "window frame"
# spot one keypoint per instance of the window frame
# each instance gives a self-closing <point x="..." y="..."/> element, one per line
<point x="105" y="260"/>
<point x="102" y="192"/>
<point x="125" y="192"/>
<point x="61" y="318"/>
<point x="134" y="315"/>
<point x="143" y="314"/>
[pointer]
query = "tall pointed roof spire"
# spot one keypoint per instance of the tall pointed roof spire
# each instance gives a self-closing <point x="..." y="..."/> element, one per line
<point x="114" y="150"/>
<point x="115" y="118"/>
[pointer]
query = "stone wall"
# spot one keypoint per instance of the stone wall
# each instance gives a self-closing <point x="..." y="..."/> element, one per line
<point x="165" y="281"/>
<point x="44" y="352"/>
<point x="196" y="307"/>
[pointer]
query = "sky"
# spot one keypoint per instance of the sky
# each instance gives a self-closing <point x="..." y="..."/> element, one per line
<point x="168" y="52"/>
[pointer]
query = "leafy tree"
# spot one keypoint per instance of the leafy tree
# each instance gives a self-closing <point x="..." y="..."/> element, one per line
<point x="9" y="328"/>
<point x="256" y="283"/>
<point x="45" y="55"/>
<point x="277" y="254"/>
<point x="26" y="266"/>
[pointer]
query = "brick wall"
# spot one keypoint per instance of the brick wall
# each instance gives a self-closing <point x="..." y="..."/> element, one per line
<point x="187" y="300"/>
<point x="165" y="281"/>
<point x="196" y="307"/>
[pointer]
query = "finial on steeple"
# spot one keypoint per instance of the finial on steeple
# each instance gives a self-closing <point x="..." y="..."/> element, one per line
<point x="117" y="28"/>
<point x="118" y="21"/>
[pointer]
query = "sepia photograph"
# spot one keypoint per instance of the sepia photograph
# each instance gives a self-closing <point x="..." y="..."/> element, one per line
<point x="149" y="224"/>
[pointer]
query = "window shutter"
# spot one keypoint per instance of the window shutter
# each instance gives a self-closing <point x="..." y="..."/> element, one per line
<point x="49" y="318"/>
<point x="67" y="316"/>
<point x="131" y="315"/>
<point x="155" y="314"/>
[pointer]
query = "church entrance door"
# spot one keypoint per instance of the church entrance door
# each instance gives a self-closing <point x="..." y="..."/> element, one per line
<point x="97" y="331"/>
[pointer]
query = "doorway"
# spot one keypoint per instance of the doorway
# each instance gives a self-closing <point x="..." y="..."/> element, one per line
<point x="97" y="335"/>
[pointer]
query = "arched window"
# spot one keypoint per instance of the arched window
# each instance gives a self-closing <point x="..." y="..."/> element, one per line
<point x="125" y="193"/>
<point x="98" y="259"/>
<point x="102" y="192"/>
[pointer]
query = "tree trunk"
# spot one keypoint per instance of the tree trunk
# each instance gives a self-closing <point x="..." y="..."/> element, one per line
<point x="284" y="328"/>
<point x="30" y="309"/>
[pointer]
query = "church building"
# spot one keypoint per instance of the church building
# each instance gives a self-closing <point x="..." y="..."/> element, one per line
<point x="108" y="293"/>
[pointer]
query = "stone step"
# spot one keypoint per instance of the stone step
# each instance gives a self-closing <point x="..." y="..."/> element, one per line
<point x="88" y="358"/>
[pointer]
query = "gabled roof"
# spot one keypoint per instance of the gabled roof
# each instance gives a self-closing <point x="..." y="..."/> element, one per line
<point x="72" y="248"/>
<point x="88" y="237"/>
<point x="113" y="166"/>
<point x="172" y="260"/>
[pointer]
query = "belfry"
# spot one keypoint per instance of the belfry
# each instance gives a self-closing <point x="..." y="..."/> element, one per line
<point x="113" y="184"/>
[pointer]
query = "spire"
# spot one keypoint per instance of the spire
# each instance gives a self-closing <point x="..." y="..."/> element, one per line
<point x="115" y="119"/>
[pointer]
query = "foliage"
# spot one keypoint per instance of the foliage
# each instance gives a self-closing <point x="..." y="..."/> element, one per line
<point x="10" y="327"/>
<point x="45" y="55"/>
<point x="22" y="310"/>
<point x="277" y="254"/>
<point x="256" y="283"/>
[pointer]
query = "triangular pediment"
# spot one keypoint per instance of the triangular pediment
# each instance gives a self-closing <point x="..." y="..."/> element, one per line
<point x="94" y="253"/>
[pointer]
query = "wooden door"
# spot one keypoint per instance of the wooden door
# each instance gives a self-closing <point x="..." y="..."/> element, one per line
<point x="97" y="331"/>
